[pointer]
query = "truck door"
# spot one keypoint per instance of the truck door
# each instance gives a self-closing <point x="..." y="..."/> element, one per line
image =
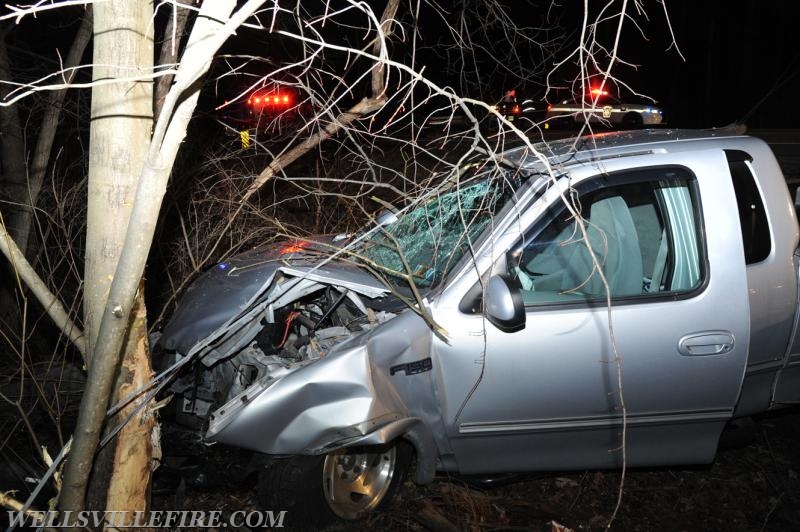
<point x="667" y="238"/>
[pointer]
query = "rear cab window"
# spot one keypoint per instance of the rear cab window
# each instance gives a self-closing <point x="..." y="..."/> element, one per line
<point x="756" y="236"/>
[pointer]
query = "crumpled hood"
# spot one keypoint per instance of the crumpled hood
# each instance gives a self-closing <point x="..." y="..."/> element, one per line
<point x="229" y="288"/>
<point x="362" y="385"/>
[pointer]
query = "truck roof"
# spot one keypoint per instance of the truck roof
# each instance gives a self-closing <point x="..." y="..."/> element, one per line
<point x="603" y="146"/>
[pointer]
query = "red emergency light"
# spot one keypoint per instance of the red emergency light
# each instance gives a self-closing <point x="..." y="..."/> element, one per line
<point x="272" y="100"/>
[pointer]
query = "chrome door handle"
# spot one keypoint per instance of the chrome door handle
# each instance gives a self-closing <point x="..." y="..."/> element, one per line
<point x="706" y="343"/>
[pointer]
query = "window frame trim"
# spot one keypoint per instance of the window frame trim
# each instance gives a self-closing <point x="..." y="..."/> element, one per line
<point x="631" y="176"/>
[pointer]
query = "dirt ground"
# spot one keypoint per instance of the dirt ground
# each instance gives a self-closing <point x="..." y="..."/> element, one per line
<point x="753" y="487"/>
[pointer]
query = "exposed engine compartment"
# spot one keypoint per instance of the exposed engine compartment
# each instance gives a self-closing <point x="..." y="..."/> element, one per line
<point x="283" y="339"/>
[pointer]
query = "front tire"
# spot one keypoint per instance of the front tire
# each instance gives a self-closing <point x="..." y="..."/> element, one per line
<point x="344" y="484"/>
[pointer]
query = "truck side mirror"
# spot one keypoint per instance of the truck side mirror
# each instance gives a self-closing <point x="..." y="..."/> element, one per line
<point x="503" y="304"/>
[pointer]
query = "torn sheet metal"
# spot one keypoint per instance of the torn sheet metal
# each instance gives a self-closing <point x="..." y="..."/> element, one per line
<point x="369" y="382"/>
<point x="222" y="294"/>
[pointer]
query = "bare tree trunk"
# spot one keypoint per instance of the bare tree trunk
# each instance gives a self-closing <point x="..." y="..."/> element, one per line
<point x="118" y="144"/>
<point x="22" y="222"/>
<point x="170" y="47"/>
<point x="12" y="146"/>
<point x="122" y="470"/>
<point x="122" y="119"/>
<point x="12" y="170"/>
<point x="108" y="338"/>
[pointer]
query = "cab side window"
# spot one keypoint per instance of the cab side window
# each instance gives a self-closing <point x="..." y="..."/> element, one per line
<point x="644" y="234"/>
<point x="756" y="236"/>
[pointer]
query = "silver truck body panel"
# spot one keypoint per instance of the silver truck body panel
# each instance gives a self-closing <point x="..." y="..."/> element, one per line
<point x="475" y="399"/>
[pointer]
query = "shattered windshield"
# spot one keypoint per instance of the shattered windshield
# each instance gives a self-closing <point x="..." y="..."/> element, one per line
<point x="430" y="239"/>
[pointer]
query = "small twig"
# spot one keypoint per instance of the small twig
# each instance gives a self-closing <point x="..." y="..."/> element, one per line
<point x="28" y="425"/>
<point x="8" y="501"/>
<point x="775" y="504"/>
<point x="769" y="447"/>
<point x="433" y="519"/>
<point x="580" y="490"/>
<point x="42" y="481"/>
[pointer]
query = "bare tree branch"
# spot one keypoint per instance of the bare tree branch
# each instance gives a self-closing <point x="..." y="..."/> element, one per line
<point x="50" y="302"/>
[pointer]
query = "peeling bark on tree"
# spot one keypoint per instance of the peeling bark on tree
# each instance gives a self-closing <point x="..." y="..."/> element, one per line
<point x="122" y="469"/>
<point x="137" y="445"/>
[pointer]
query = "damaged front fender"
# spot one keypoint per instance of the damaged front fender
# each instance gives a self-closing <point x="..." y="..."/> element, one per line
<point x="303" y="357"/>
<point x="308" y="410"/>
<point x="349" y="397"/>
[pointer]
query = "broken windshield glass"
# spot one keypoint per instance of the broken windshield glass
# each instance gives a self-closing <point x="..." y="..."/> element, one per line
<point x="430" y="239"/>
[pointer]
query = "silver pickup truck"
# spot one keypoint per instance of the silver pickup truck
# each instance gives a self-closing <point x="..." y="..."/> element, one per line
<point x="479" y="330"/>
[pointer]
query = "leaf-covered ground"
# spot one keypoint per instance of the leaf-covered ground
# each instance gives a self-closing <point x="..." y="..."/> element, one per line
<point x="748" y="488"/>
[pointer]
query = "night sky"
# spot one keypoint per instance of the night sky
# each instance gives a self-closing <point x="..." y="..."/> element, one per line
<point x="737" y="53"/>
<point x="742" y="59"/>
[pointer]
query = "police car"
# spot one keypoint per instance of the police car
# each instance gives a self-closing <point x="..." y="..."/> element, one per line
<point x="606" y="111"/>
